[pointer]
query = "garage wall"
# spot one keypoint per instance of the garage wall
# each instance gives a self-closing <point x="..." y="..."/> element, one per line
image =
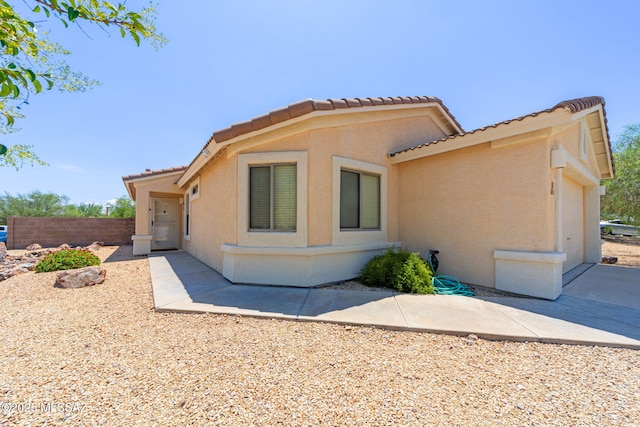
<point x="572" y="223"/>
<point x="468" y="203"/>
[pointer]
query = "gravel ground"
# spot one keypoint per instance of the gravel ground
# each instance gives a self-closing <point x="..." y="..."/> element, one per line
<point x="102" y="356"/>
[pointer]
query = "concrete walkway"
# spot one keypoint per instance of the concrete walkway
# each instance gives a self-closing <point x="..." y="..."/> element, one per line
<point x="599" y="307"/>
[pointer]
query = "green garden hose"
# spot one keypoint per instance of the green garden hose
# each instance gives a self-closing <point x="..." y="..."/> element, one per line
<point x="446" y="285"/>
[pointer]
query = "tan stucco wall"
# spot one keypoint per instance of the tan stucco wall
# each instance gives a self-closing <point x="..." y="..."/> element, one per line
<point x="160" y="187"/>
<point x="469" y="202"/>
<point x="214" y="214"/>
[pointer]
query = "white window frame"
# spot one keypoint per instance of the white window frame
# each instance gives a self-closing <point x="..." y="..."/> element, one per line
<point x="189" y="197"/>
<point x="271" y="238"/>
<point x="358" y="236"/>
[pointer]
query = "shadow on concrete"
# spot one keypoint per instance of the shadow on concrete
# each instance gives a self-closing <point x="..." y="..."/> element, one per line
<point x="602" y="316"/>
<point x="203" y="285"/>
<point x="123" y="253"/>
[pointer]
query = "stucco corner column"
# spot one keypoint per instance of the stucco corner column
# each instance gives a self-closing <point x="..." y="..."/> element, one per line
<point x="536" y="274"/>
<point x="141" y="244"/>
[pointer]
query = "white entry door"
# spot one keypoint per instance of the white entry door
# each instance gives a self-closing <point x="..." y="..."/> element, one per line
<point x="164" y="224"/>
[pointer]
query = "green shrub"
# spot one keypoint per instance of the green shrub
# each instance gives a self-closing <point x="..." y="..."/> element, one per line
<point x="67" y="259"/>
<point x="400" y="270"/>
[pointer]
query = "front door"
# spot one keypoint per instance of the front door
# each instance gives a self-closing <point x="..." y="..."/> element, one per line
<point x="164" y="224"/>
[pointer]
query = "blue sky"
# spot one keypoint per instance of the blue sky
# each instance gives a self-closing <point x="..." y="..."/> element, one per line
<point x="229" y="61"/>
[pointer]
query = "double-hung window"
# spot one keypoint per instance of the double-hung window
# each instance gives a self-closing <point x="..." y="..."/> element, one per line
<point x="273" y="197"/>
<point x="359" y="200"/>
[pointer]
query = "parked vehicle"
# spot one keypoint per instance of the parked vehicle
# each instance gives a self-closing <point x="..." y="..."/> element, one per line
<point x="3" y="233"/>
<point x="617" y="226"/>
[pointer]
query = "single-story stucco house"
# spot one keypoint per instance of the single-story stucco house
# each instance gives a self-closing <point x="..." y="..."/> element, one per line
<point x="307" y="194"/>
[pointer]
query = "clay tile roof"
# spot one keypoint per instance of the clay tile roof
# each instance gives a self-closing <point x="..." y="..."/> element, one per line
<point x="573" y="105"/>
<point x="579" y="104"/>
<point x="150" y="173"/>
<point x="307" y="106"/>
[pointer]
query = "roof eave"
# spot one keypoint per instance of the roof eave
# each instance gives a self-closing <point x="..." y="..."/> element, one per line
<point x="240" y="132"/>
<point x="499" y="131"/>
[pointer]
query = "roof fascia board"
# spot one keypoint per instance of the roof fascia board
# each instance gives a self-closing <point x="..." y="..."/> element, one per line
<point x="324" y="120"/>
<point x="153" y="177"/>
<point x="584" y="113"/>
<point x="316" y="120"/>
<point x="607" y="143"/>
<point x="504" y="130"/>
<point x="130" y="190"/>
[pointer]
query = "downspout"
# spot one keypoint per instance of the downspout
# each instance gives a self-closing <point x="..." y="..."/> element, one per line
<point x="558" y="162"/>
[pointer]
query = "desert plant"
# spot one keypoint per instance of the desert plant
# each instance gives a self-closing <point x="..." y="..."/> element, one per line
<point x="67" y="259"/>
<point x="400" y="270"/>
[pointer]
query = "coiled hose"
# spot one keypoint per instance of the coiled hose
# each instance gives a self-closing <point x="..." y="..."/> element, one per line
<point x="446" y="285"/>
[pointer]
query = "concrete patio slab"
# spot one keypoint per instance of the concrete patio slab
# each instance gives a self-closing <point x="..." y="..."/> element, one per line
<point x="461" y="316"/>
<point x="564" y="324"/>
<point x="600" y="306"/>
<point x="353" y="307"/>
<point x="612" y="284"/>
<point x="248" y="300"/>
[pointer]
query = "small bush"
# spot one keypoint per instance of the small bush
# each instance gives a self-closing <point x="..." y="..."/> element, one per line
<point x="67" y="259"/>
<point x="400" y="270"/>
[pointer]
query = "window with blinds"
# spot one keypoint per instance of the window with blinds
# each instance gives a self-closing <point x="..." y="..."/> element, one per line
<point x="272" y="197"/>
<point x="359" y="200"/>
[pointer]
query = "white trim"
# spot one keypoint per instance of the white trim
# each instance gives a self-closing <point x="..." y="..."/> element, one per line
<point x="195" y="184"/>
<point x="537" y="274"/>
<point x="479" y="136"/>
<point x="296" y="238"/>
<point x="186" y="222"/>
<point x="320" y="119"/>
<point x="141" y="244"/>
<point x="357" y="237"/>
<point x="300" y="267"/>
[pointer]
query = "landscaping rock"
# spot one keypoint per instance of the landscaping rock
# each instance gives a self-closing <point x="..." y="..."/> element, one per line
<point x="10" y="265"/>
<point x="94" y="247"/>
<point x="81" y="277"/>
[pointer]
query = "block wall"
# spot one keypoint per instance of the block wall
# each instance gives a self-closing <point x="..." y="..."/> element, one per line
<point x="54" y="231"/>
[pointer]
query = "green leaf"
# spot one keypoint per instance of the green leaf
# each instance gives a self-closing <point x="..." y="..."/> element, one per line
<point x="5" y="91"/>
<point x="37" y="9"/>
<point x="66" y="25"/>
<point x="136" y="37"/>
<point x="46" y="12"/>
<point x="30" y="74"/>
<point x="12" y="66"/>
<point x="72" y="13"/>
<point x="37" y="85"/>
<point x="123" y="32"/>
<point x="3" y="149"/>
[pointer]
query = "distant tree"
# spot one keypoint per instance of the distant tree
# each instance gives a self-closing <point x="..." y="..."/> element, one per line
<point x="35" y="203"/>
<point x="622" y="197"/>
<point x="84" y="210"/>
<point x="31" y="63"/>
<point x="122" y="208"/>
